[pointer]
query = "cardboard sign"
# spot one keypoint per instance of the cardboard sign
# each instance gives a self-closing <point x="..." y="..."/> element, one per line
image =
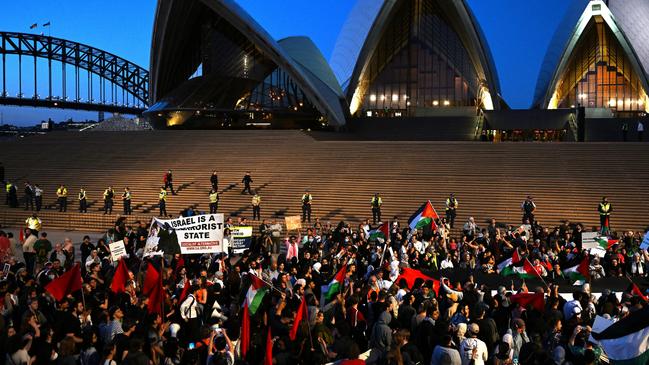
<point x="293" y="223"/>
<point x="588" y="240"/>
<point x="187" y="235"/>
<point x="241" y="238"/>
<point x="117" y="250"/>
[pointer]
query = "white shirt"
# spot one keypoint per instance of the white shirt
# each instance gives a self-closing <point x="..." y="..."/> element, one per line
<point x="446" y="264"/>
<point x="466" y="351"/>
<point x="189" y="308"/>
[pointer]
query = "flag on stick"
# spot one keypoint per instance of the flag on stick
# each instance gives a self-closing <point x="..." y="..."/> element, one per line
<point x="65" y="284"/>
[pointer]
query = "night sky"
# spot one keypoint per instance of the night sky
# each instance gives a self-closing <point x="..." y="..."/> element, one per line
<point x="518" y="33"/>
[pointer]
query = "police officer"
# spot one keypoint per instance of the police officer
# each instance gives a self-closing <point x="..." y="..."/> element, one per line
<point x="109" y="194"/>
<point x="162" y="201"/>
<point x="451" y="209"/>
<point x="83" y="201"/>
<point x="214" y="201"/>
<point x="528" y="207"/>
<point x="169" y="182"/>
<point x="34" y="224"/>
<point x="126" y="199"/>
<point x="38" y="197"/>
<point x="307" y="199"/>
<point x="7" y="190"/>
<point x="604" y="208"/>
<point x="247" y="180"/>
<point x="376" y="203"/>
<point x="62" y="195"/>
<point x="214" y="180"/>
<point x="29" y="196"/>
<point x="256" y="207"/>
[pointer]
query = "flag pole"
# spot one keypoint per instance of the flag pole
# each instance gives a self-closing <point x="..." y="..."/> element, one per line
<point x="83" y="296"/>
<point x="269" y="284"/>
<point x="385" y="245"/>
<point x="308" y="325"/>
<point x="537" y="273"/>
<point x="162" y="269"/>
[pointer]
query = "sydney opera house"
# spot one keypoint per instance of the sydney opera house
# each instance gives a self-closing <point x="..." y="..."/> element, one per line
<point x="418" y="61"/>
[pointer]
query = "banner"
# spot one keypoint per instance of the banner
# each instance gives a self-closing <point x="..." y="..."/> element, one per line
<point x="187" y="235"/>
<point x="117" y="250"/>
<point x="241" y="238"/>
<point x="293" y="223"/>
<point x="588" y="240"/>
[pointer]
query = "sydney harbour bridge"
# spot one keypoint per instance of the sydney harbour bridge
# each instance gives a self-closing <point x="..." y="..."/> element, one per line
<point x="44" y="71"/>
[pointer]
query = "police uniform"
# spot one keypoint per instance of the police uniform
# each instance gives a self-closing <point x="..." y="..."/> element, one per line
<point x="306" y="207"/>
<point x="162" y="202"/>
<point x="108" y="201"/>
<point x="605" y="210"/>
<point x="62" y="195"/>
<point x="256" y="207"/>
<point x="451" y="213"/>
<point x="83" y="202"/>
<point x="214" y="201"/>
<point x="376" y="208"/>
<point x="38" y="197"/>
<point x="34" y="225"/>
<point x="126" y="198"/>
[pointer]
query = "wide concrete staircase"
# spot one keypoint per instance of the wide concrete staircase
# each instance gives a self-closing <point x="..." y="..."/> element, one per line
<point x="489" y="180"/>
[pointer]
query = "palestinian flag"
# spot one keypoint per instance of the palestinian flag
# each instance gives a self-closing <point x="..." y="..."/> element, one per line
<point x="605" y="242"/>
<point x="382" y="232"/>
<point x="411" y="276"/>
<point x="526" y="271"/>
<point x="515" y="259"/>
<point x="578" y="272"/>
<point x="535" y="300"/>
<point x="627" y="340"/>
<point x="255" y="294"/>
<point x="423" y="217"/>
<point x="336" y="285"/>
<point x="637" y="292"/>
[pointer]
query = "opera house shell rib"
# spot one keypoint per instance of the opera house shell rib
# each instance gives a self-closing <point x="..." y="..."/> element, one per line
<point x="421" y="56"/>
<point x="598" y="58"/>
<point x="213" y="66"/>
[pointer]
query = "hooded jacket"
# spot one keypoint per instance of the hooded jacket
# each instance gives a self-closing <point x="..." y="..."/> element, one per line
<point x="381" y="333"/>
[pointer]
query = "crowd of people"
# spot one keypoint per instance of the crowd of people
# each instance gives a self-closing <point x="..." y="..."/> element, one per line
<point x="333" y="293"/>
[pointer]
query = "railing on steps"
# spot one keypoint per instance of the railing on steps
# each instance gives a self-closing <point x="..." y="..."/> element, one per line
<point x="574" y="128"/>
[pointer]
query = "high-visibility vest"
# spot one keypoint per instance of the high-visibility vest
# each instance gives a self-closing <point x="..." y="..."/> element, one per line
<point x="126" y="195"/>
<point x="256" y="200"/>
<point x="62" y="192"/>
<point x="108" y="194"/>
<point x="33" y="223"/>
<point x="605" y="208"/>
<point x="214" y="197"/>
<point x="449" y="203"/>
<point x="377" y="201"/>
<point x="82" y="194"/>
<point x="306" y="198"/>
<point x="162" y="195"/>
<point x="8" y="187"/>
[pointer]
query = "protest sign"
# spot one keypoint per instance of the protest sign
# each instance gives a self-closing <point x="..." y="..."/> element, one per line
<point x="117" y="250"/>
<point x="293" y="223"/>
<point x="241" y="238"/>
<point x="645" y="242"/>
<point x="187" y="235"/>
<point x="588" y="240"/>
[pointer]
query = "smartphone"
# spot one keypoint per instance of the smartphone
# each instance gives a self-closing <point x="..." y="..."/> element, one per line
<point x="191" y="346"/>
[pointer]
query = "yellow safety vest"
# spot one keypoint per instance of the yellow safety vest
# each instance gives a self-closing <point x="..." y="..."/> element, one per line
<point x="62" y="192"/>
<point x="82" y="194"/>
<point x="8" y="187"/>
<point x="377" y="202"/>
<point x="162" y="195"/>
<point x="306" y="198"/>
<point x="448" y="203"/>
<point x="214" y="197"/>
<point x="605" y="209"/>
<point x="33" y="223"/>
<point x="126" y="195"/>
<point x="256" y="200"/>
